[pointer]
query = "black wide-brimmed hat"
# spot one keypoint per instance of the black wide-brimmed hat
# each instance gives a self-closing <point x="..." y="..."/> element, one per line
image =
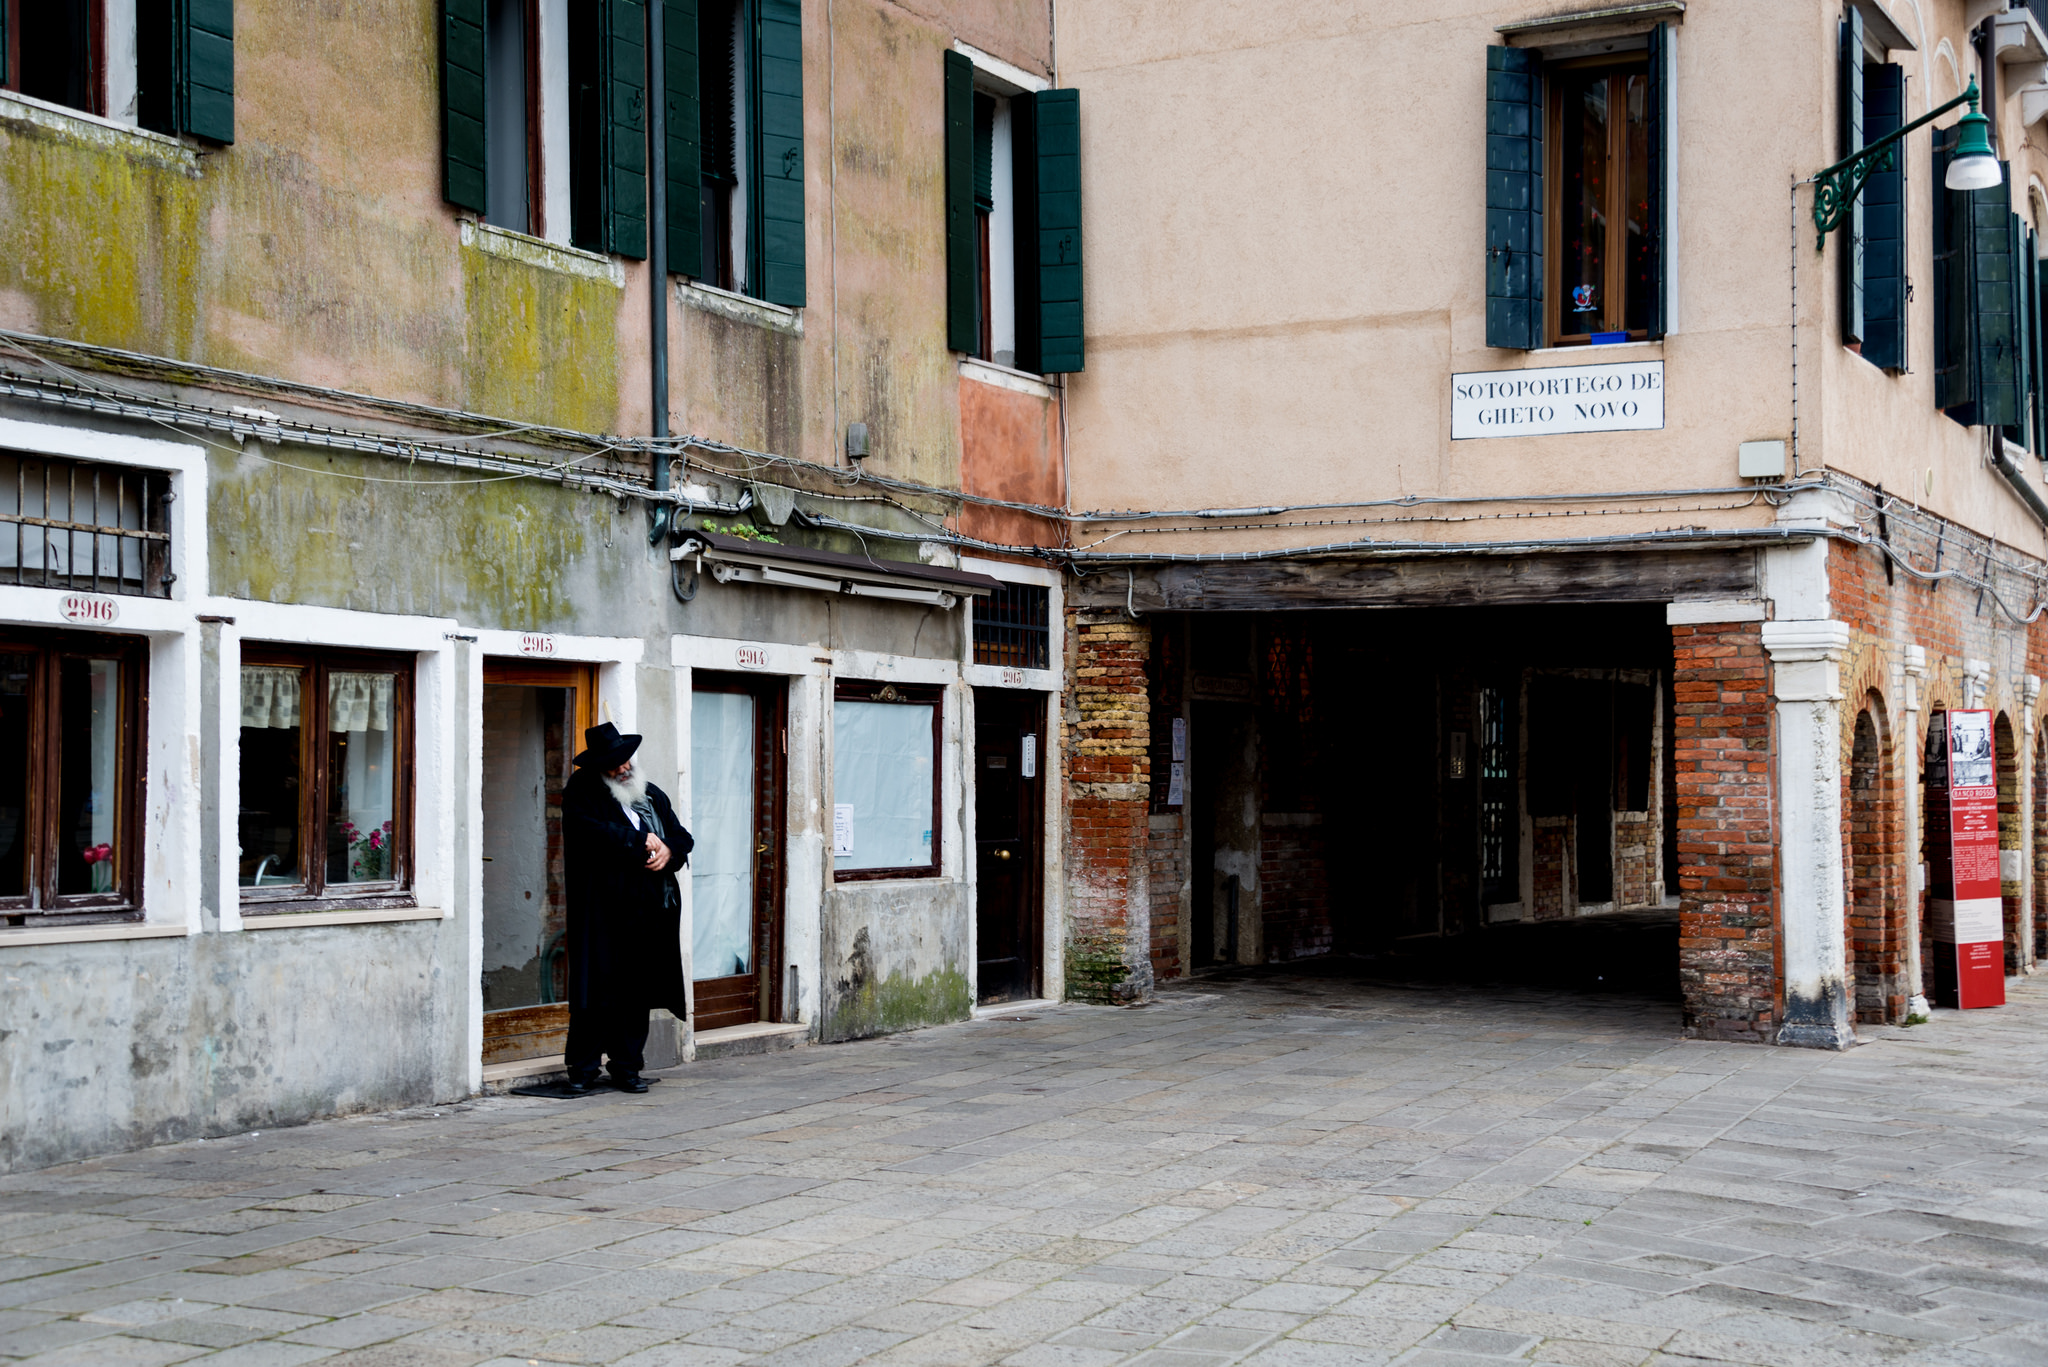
<point x="608" y="749"/>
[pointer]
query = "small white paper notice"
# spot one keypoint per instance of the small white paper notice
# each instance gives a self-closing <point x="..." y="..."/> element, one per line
<point x="842" y="829"/>
<point x="1176" y="775"/>
<point x="1031" y="757"/>
<point x="1180" y="738"/>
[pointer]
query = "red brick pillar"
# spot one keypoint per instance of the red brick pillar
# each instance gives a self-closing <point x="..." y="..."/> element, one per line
<point x="1109" y="913"/>
<point x="1727" y="940"/>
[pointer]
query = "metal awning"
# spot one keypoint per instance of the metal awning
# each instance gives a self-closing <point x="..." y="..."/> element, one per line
<point x="736" y="560"/>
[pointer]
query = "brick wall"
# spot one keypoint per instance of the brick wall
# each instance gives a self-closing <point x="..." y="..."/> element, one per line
<point x="1874" y="907"/>
<point x="1552" y="847"/>
<point x="1952" y="621"/>
<point x="1109" y="937"/>
<point x="1727" y="946"/>
<point x="1294" y="886"/>
<point x="1167" y="853"/>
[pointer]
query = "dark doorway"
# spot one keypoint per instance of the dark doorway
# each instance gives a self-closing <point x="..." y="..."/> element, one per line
<point x="1009" y="808"/>
<point x="739" y="743"/>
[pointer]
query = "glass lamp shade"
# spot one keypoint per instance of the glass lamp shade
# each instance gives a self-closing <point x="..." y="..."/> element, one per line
<point x="1973" y="173"/>
<point x="1975" y="166"/>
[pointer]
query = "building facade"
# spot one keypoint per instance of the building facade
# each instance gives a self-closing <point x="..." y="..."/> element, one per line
<point x="1494" y="502"/>
<point x="1435" y="511"/>
<point x="374" y="422"/>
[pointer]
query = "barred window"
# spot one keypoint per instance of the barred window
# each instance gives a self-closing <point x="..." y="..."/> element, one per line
<point x="1012" y="627"/>
<point x="84" y="526"/>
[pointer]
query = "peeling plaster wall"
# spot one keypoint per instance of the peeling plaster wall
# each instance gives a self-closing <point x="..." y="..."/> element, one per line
<point x="115" y="1046"/>
<point x="896" y="955"/>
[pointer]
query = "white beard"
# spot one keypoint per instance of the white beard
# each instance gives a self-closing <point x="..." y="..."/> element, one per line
<point x="629" y="790"/>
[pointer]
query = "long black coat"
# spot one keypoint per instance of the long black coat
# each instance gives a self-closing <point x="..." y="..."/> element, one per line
<point x="624" y="922"/>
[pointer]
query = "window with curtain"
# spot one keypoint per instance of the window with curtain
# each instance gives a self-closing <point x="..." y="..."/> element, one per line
<point x="326" y="769"/>
<point x="885" y="781"/>
<point x="71" y="773"/>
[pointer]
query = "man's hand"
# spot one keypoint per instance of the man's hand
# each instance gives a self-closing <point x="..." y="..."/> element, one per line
<point x="657" y="853"/>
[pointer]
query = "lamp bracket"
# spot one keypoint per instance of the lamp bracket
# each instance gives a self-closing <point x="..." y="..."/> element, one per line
<point x="1836" y="187"/>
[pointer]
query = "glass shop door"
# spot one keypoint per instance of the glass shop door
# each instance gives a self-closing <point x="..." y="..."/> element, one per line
<point x="738" y="774"/>
<point x="534" y="717"/>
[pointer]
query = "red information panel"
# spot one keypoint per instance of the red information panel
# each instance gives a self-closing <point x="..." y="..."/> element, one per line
<point x="1962" y="842"/>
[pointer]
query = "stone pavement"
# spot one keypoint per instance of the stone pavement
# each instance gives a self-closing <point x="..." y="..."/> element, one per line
<point x="1282" y="1172"/>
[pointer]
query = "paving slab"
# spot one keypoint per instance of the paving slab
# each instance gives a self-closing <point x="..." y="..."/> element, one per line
<point x="1286" y="1171"/>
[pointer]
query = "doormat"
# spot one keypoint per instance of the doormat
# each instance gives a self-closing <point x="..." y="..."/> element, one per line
<point x="559" y="1091"/>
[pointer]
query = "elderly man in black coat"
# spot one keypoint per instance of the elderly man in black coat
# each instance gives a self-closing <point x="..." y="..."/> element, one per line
<point x="622" y="850"/>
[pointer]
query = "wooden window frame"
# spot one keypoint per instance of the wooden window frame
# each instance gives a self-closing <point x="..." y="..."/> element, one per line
<point x="1615" y="284"/>
<point x="44" y="905"/>
<point x="95" y="52"/>
<point x="313" y="894"/>
<point x="876" y="690"/>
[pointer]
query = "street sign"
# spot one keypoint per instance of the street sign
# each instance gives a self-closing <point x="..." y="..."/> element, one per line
<point x="1962" y="838"/>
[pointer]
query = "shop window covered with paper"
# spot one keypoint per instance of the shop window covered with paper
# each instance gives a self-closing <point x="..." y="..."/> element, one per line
<point x="885" y="781"/>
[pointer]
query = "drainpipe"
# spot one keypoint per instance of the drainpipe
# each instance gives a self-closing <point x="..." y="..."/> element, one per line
<point x="657" y="230"/>
<point x="2017" y="478"/>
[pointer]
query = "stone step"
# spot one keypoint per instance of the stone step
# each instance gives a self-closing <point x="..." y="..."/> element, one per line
<point x="736" y="1041"/>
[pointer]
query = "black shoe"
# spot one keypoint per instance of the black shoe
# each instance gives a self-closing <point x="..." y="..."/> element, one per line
<point x="579" y="1086"/>
<point x="634" y="1084"/>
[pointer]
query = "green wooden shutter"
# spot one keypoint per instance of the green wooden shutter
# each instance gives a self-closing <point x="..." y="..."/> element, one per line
<point x="682" y="126"/>
<point x="985" y="153"/>
<point x="209" y="34"/>
<point x="1884" y="225"/>
<point x="779" y="145"/>
<point x="2037" y="285"/>
<point x="1657" y="116"/>
<point x="2026" y="281"/>
<point x="1057" y="125"/>
<point x="1514" y="198"/>
<point x="462" y="103"/>
<point x="1997" y="311"/>
<point x="623" y="80"/>
<point x="963" y="255"/>
<point x="1954" y="375"/>
<point x="185" y="67"/>
<point x="1849" y="102"/>
<point x="1024" y="189"/>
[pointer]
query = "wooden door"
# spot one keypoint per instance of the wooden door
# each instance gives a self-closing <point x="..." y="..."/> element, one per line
<point x="1009" y="807"/>
<point x="739" y="743"/>
<point x="534" y="719"/>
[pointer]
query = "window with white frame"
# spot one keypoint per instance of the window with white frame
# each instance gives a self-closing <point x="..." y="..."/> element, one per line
<point x="885" y="780"/>
<point x="326" y="779"/>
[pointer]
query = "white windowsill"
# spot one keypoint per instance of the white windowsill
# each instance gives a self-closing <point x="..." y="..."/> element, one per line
<point x="360" y="916"/>
<point x="97" y="128"/>
<point x="1005" y="377"/>
<point x="1586" y="348"/>
<point x="529" y="250"/>
<point x="740" y="308"/>
<point x="81" y="935"/>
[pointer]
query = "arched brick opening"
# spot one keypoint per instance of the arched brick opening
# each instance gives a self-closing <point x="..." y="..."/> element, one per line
<point x="1875" y="931"/>
<point x="1933" y="830"/>
<point x="2010" y="883"/>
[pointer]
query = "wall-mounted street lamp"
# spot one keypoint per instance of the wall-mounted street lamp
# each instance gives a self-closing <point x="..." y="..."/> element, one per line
<point x="1974" y="166"/>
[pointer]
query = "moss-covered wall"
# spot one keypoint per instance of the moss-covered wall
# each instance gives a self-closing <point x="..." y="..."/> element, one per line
<point x="317" y="248"/>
